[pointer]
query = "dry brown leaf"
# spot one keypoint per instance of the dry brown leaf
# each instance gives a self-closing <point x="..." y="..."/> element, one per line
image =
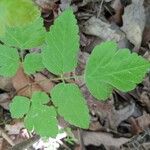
<point x="46" y="84"/>
<point x="107" y="139"/>
<point x="5" y="100"/>
<point x="109" y="115"/>
<point x="146" y="146"/>
<point x="145" y="101"/>
<point x="6" y="84"/>
<point x="144" y="121"/>
<point x="46" y="5"/>
<point x="15" y="128"/>
<point x="1" y="143"/>
<point x="135" y="128"/>
<point x="134" y="22"/>
<point x="117" y="17"/>
<point x="95" y="126"/>
<point x="95" y="26"/>
<point x="65" y="4"/>
<point x="146" y="33"/>
<point x="23" y="84"/>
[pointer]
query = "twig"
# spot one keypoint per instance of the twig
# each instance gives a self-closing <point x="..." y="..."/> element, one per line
<point x="63" y="144"/>
<point x="100" y="8"/>
<point x="81" y="139"/>
<point x="6" y="137"/>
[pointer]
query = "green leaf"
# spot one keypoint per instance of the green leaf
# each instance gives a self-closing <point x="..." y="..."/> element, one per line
<point x="19" y="106"/>
<point x="33" y="63"/>
<point x="42" y="120"/>
<point x="110" y="68"/>
<point x="39" y="98"/>
<point x="62" y="44"/>
<point x="25" y="37"/>
<point x="17" y="13"/>
<point x="9" y="61"/>
<point x="40" y="117"/>
<point x="71" y="104"/>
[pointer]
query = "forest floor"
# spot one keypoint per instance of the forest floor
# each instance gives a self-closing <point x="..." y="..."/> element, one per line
<point x="120" y="123"/>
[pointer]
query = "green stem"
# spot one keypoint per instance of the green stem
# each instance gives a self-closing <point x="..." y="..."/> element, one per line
<point x="53" y="79"/>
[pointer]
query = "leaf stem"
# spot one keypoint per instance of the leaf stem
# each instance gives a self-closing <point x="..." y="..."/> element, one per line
<point x="53" y="79"/>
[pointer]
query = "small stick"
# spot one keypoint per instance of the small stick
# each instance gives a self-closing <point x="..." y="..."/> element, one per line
<point x="81" y="139"/>
<point x="100" y="8"/>
<point x="6" y="137"/>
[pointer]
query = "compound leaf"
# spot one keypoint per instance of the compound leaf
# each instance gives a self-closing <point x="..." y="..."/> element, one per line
<point x="110" y="68"/>
<point x="62" y="44"/>
<point x="17" y="13"/>
<point x="71" y="104"/>
<point x="9" y="61"/>
<point x="39" y="98"/>
<point x="33" y="63"/>
<point x="24" y="37"/>
<point x="42" y="120"/>
<point x="19" y="106"/>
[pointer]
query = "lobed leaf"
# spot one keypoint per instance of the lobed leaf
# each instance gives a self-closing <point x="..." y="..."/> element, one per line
<point x="42" y="120"/>
<point x="9" y="61"/>
<point x="19" y="106"/>
<point x="109" y="68"/>
<point x="25" y="37"/>
<point x="39" y="117"/>
<point x="62" y="44"/>
<point x="33" y="63"/>
<point x="71" y="104"/>
<point x="17" y="13"/>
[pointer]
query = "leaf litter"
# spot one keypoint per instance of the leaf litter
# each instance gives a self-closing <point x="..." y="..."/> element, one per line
<point x="123" y="122"/>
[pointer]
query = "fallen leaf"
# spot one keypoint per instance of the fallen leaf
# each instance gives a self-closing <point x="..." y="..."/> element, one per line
<point x="1" y="143"/>
<point x="117" y="17"/>
<point x="135" y="128"/>
<point x="146" y="33"/>
<point x="108" y="115"/>
<point x="45" y="83"/>
<point x="143" y="121"/>
<point x="95" y="26"/>
<point x="145" y="101"/>
<point x="24" y="84"/>
<point x="5" y="100"/>
<point x="46" y="5"/>
<point x="107" y="139"/>
<point x="15" y="128"/>
<point x="95" y="126"/>
<point x="134" y="22"/>
<point x="6" y="84"/>
<point x="65" y="4"/>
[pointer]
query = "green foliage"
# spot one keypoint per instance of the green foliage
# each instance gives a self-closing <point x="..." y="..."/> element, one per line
<point x="19" y="106"/>
<point x="109" y="68"/>
<point x="32" y="63"/>
<point x="39" y="117"/>
<point x="71" y="104"/>
<point x="17" y="13"/>
<point x="9" y="61"/>
<point x="42" y="119"/>
<point x="62" y="44"/>
<point x="39" y="98"/>
<point x="24" y="37"/>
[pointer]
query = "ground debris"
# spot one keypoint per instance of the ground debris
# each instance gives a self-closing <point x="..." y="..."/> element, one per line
<point x="97" y="27"/>
<point x="107" y="139"/>
<point x="139" y="141"/>
<point x="134" y="22"/>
